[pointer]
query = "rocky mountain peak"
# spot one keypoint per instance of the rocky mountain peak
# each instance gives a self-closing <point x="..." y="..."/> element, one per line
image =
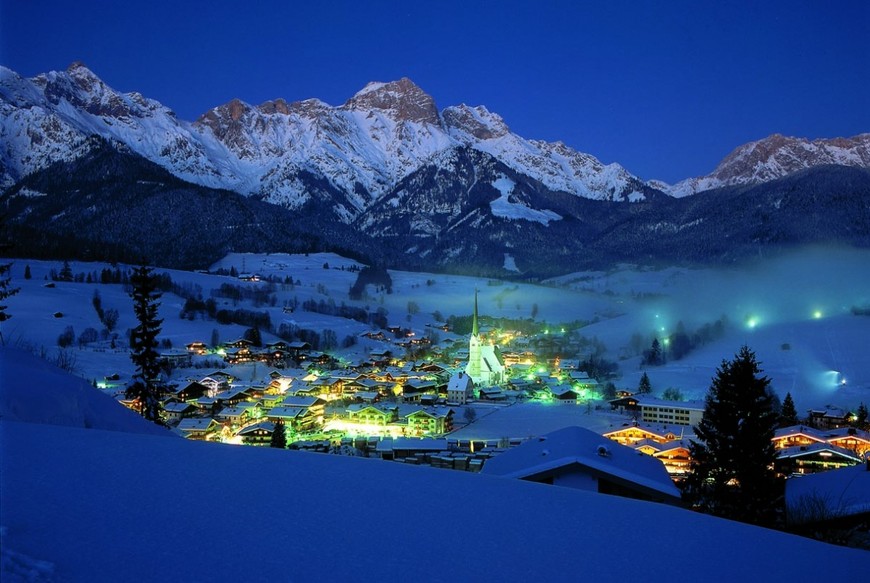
<point x="223" y="120"/>
<point x="402" y="100"/>
<point x="475" y="121"/>
<point x="778" y="155"/>
<point x="276" y="106"/>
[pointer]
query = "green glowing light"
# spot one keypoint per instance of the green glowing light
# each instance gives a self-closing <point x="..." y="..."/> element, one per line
<point x="817" y="314"/>
<point x="752" y="322"/>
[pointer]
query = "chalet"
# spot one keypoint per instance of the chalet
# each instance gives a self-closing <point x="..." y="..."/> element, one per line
<point x="192" y="391"/>
<point x="313" y="405"/>
<point x="257" y="434"/>
<point x="796" y="435"/>
<point x="197" y="348"/>
<point x="380" y="357"/>
<point x="460" y="389"/>
<point x="270" y="400"/>
<point x="237" y="355"/>
<point x="280" y="345"/>
<point x="809" y="459"/>
<point x="828" y="418"/>
<point x="233" y="415"/>
<point x="635" y="433"/>
<point x="232" y="396"/>
<point x="203" y="429"/>
<point x="414" y="388"/>
<point x="429" y="422"/>
<point x="372" y="415"/>
<point x="575" y="457"/>
<point x="856" y="440"/>
<point x="177" y="411"/>
<point x="215" y="383"/>
<point x="676" y="457"/>
<point x="297" y="348"/>
<point x="240" y="343"/>
<point x="328" y="386"/>
<point x="564" y="394"/>
<point x="316" y="358"/>
<point x="849" y="438"/>
<point x="299" y="419"/>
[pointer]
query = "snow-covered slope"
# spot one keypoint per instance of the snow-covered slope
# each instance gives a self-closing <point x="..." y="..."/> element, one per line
<point x="93" y="506"/>
<point x="282" y="151"/>
<point x="33" y="391"/>
<point x="774" y="157"/>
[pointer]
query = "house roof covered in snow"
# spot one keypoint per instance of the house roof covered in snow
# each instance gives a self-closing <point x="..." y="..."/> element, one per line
<point x="577" y="445"/>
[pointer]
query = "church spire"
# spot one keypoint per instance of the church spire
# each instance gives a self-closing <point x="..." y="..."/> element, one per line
<point x="474" y="330"/>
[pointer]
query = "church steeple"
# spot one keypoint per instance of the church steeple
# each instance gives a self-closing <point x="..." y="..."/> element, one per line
<point x="474" y="330"/>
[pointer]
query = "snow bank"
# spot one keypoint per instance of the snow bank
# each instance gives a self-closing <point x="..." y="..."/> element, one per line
<point x="33" y="391"/>
<point x="101" y="506"/>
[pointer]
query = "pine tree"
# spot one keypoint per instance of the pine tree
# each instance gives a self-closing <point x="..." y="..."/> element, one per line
<point x="861" y="416"/>
<point x="27" y="272"/>
<point x="6" y="290"/>
<point x="788" y="415"/>
<point x="253" y="336"/>
<point x="144" y="343"/>
<point x="279" y="436"/>
<point x="66" y="273"/>
<point x="732" y="462"/>
<point x="654" y="354"/>
<point x="644" y="387"/>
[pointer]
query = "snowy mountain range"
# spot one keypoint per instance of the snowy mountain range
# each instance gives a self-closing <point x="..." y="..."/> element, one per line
<point x="386" y="174"/>
<point x="363" y="148"/>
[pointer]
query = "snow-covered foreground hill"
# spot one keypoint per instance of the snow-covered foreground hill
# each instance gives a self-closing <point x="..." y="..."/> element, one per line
<point x="90" y="505"/>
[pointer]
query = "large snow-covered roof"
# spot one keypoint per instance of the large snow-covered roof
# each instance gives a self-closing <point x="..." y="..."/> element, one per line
<point x="577" y="445"/>
<point x="841" y="492"/>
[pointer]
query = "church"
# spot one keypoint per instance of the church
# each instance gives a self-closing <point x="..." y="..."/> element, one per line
<point x="485" y="365"/>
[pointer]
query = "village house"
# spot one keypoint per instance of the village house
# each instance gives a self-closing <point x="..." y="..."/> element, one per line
<point x="233" y="415"/>
<point x="176" y="411"/>
<point x="257" y="434"/>
<point x="849" y="438"/>
<point x="575" y="457"/>
<point x="199" y="428"/>
<point x="816" y="457"/>
<point x="460" y="389"/>
<point x="635" y="433"/>
<point x="428" y="422"/>
<point x="372" y="415"/>
<point x="294" y="418"/>
<point x="199" y="348"/>
<point x="191" y="391"/>
<point x="828" y="418"/>
<point x="652" y="410"/>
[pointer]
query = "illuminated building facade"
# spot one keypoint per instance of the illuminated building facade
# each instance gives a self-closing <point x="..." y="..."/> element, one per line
<point x="485" y="366"/>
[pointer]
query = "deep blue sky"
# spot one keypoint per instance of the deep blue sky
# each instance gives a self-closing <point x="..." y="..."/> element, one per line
<point x="666" y="88"/>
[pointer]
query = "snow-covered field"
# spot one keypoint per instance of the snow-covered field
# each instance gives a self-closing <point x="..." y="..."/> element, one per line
<point x="94" y="505"/>
<point x="793" y="311"/>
